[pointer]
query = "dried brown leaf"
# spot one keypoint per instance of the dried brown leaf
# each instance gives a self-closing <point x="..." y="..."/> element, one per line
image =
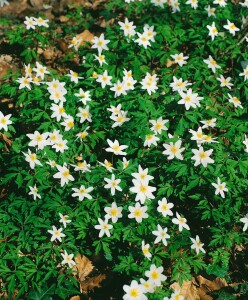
<point x="85" y="36"/>
<point x="15" y="8"/>
<point x="92" y="283"/>
<point x="75" y="298"/>
<point x="7" y="141"/>
<point x="37" y="4"/>
<point x="84" y="267"/>
<point x="169" y="63"/>
<point x="63" y="19"/>
<point x="209" y="285"/>
<point x="188" y="290"/>
<point x="6" y="65"/>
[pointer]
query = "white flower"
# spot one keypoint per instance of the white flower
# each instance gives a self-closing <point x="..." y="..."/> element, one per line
<point x="202" y="157"/>
<point x="213" y="32"/>
<point x="197" y="245"/>
<point x="68" y="122"/>
<point x="245" y="142"/>
<point x="179" y="84"/>
<point x="30" y="23"/>
<point x="75" y="43"/>
<point x="5" y="121"/>
<point x="173" y="150"/>
<point x="145" y="250"/>
<point x="151" y="139"/>
<point x="245" y="73"/>
<point x="143" y="40"/>
<point x="116" y="148"/>
<point x="158" y="125"/>
<point x="236" y="102"/>
<point x="83" y="95"/>
<point x="149" y="32"/>
<point x="82" y="166"/>
<point x="57" y="234"/>
<point x="119" y="119"/>
<point x="101" y="59"/>
<point x="231" y="27"/>
<point x="164" y="207"/>
<point x="161" y="235"/>
<point x="221" y="3"/>
<point x="193" y="3"/>
<point x="211" y="63"/>
<point x="34" y="192"/>
<point x="56" y="85"/>
<point x="210" y="11"/>
<point x="58" y="111"/>
<point x="64" y="219"/>
<point x="100" y="43"/>
<point x="225" y="81"/>
<point x="180" y="59"/>
<point x="149" y="83"/>
<point x="189" y="99"/>
<point x="63" y="174"/>
<point x="112" y="184"/>
<point x="107" y="164"/>
<point x="74" y="76"/>
<point x="82" y="192"/>
<point x="60" y="146"/>
<point x="40" y="70"/>
<point x="134" y="292"/>
<point x="142" y="175"/>
<point x="148" y="285"/>
<point x="125" y="162"/>
<point x="138" y="212"/>
<point x="220" y="187"/>
<point x="39" y="140"/>
<point x="245" y="221"/>
<point x="159" y="3"/>
<point x="83" y="134"/>
<point x="113" y="212"/>
<point x="31" y="158"/>
<point x="119" y="88"/>
<point x="176" y="296"/>
<point x="181" y="222"/>
<point x="209" y="123"/>
<point x="175" y="5"/>
<point x="84" y="114"/>
<point x="127" y="27"/>
<point x="51" y="163"/>
<point x="155" y="274"/>
<point x="24" y="82"/>
<point x="104" y="79"/>
<point x="143" y="190"/>
<point x="104" y="227"/>
<point x="68" y="259"/>
<point x="58" y="95"/>
<point x="197" y="136"/>
<point x="41" y="22"/>
<point x="115" y="110"/>
<point x="3" y="2"/>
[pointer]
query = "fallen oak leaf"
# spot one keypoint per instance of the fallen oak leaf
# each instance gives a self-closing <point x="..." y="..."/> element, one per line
<point x="85" y="36"/>
<point x="92" y="282"/>
<point x="188" y="289"/>
<point x="214" y="285"/>
<point x="84" y="266"/>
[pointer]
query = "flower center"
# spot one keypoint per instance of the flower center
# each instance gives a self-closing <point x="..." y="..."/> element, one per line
<point x="202" y="155"/>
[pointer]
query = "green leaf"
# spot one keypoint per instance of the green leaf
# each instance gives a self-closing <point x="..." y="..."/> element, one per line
<point x="42" y="294"/>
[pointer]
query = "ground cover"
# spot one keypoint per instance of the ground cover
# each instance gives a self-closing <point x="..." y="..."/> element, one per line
<point x="124" y="150"/>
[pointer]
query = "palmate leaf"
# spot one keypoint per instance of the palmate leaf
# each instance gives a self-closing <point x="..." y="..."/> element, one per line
<point x="42" y="294"/>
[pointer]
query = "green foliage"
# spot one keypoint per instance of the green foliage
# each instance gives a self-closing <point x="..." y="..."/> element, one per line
<point x="29" y="260"/>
